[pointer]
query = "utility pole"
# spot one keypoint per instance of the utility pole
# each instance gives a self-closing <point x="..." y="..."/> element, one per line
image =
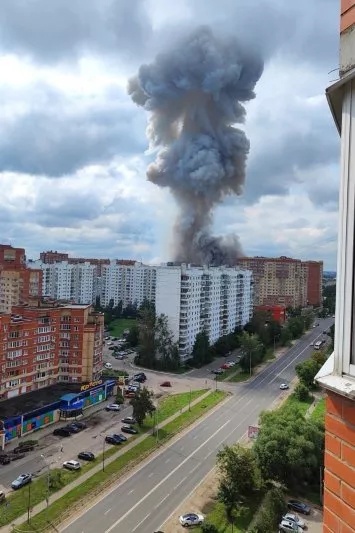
<point x="29" y="504"/>
<point x="103" y="454"/>
<point x="48" y="480"/>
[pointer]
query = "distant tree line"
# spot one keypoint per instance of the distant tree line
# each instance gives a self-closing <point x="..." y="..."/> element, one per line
<point x="113" y="312"/>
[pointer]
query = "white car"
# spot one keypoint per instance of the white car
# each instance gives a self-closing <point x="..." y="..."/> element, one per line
<point x="287" y="525"/>
<point x="108" y="365"/>
<point x="295" y="519"/>
<point x="113" y="407"/>
<point x="72" y="465"/>
<point x="284" y="386"/>
<point x="191" y="519"/>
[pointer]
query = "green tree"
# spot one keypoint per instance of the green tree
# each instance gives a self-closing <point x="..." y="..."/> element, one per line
<point x="306" y="372"/>
<point x="264" y="325"/>
<point x="289" y="448"/>
<point x="271" y="509"/>
<point x="286" y="336"/>
<point x="329" y="296"/>
<point x="209" y="528"/>
<point x="201" y="353"/>
<point x="252" y="350"/>
<point x="166" y="350"/>
<point x="331" y="334"/>
<point x="296" y="326"/>
<point x="239" y="476"/>
<point x="301" y="392"/>
<point x="308" y="318"/>
<point x="146" y="335"/>
<point x="119" y="396"/>
<point x="133" y="336"/>
<point x="142" y="405"/>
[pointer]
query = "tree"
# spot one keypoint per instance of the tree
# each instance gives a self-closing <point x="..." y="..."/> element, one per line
<point x="306" y="372"/>
<point x="252" y="350"/>
<point x="331" y="334"/>
<point x="209" y="528"/>
<point x="296" y="326"/>
<point x="286" y="336"/>
<point x="289" y="448"/>
<point x="119" y="396"/>
<point x="146" y="335"/>
<point x="239" y="476"/>
<point x="166" y="350"/>
<point x="301" y="392"/>
<point x="201" y="354"/>
<point x="264" y="325"/>
<point x="142" y="405"/>
<point x="271" y="509"/>
<point x="133" y="336"/>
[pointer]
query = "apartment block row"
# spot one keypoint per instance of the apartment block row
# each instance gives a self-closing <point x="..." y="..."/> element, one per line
<point x="48" y="344"/>
<point x="285" y="281"/>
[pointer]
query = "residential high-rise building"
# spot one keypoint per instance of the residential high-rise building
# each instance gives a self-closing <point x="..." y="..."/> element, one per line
<point x="44" y="345"/>
<point x="285" y="281"/>
<point x="338" y="374"/>
<point x="71" y="282"/>
<point x="18" y="284"/>
<point x="194" y="299"/>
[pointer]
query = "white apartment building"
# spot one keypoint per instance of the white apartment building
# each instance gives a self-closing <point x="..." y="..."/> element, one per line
<point x="131" y="284"/>
<point x="64" y="281"/>
<point x="215" y="299"/>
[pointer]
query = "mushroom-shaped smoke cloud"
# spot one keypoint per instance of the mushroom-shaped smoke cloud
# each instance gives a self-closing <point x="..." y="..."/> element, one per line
<point x="194" y="95"/>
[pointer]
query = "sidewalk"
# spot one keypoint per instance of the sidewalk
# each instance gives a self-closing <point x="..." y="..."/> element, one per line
<point x="57" y="495"/>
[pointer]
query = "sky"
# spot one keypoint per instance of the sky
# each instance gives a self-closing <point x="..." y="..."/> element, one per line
<point x="73" y="144"/>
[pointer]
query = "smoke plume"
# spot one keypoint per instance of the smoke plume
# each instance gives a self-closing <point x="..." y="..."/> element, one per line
<point x="194" y="95"/>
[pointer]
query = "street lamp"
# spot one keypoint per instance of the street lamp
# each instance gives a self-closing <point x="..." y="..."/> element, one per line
<point x="48" y="478"/>
<point x="103" y="453"/>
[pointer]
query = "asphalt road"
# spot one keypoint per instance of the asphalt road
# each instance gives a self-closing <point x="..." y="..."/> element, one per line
<point x="151" y="494"/>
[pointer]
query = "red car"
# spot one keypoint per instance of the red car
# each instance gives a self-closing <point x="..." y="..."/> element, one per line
<point x="165" y="384"/>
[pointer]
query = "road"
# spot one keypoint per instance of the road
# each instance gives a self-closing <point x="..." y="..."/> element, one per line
<point x="151" y="494"/>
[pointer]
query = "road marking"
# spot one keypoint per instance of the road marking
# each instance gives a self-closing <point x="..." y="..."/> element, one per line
<point x="168" y="460"/>
<point x="162" y="501"/>
<point x="195" y="437"/>
<point x="181" y="482"/>
<point x="289" y="364"/>
<point x="141" y="522"/>
<point x="130" y="492"/>
<point x="150" y="475"/>
<point x="108" y="510"/>
<point x="165" y="478"/>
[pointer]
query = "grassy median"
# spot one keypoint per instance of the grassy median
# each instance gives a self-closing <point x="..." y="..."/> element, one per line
<point x="97" y="482"/>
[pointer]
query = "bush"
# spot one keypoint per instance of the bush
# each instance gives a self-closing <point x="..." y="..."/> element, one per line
<point x="271" y="509"/>
<point x="209" y="528"/>
<point x="301" y="392"/>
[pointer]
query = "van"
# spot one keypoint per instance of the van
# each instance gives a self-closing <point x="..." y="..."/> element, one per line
<point x="108" y="366"/>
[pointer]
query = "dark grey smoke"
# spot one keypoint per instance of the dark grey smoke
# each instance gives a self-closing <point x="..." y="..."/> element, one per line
<point x="193" y="94"/>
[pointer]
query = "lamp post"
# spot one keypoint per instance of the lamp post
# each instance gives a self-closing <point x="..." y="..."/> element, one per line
<point x="48" y="479"/>
<point x="103" y="453"/>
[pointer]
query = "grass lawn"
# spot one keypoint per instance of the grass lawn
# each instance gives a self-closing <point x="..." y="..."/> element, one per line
<point x="293" y="402"/>
<point x="318" y="413"/>
<point x="240" y="376"/>
<point x="117" y="327"/>
<point x="217" y="516"/>
<point x="19" y="501"/>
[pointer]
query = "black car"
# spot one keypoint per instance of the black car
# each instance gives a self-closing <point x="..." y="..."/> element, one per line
<point x="72" y="428"/>
<point x="62" y="432"/>
<point x="119" y="436"/>
<point x="110" y="439"/>
<point x="86" y="456"/>
<point x="141" y="377"/>
<point x="80" y="425"/>
<point x="299" y="507"/>
<point x="129" y="429"/>
<point x="5" y="459"/>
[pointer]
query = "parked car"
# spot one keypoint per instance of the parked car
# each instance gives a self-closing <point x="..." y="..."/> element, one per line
<point x="217" y="371"/>
<point x="72" y="465"/>
<point x="5" y="459"/>
<point x="165" y="384"/>
<point x="295" y="519"/>
<point x="284" y="386"/>
<point x="285" y="526"/>
<point x="86" y="456"/>
<point x="120" y="437"/>
<point x="21" y="481"/>
<point x="191" y="519"/>
<point x="113" y="407"/>
<point x="112" y="347"/>
<point x="299" y="507"/>
<point x="62" y="432"/>
<point x="129" y="420"/>
<point x="72" y="428"/>
<point x="81" y="425"/>
<point x="110" y="439"/>
<point x="141" y="377"/>
<point x="129" y="429"/>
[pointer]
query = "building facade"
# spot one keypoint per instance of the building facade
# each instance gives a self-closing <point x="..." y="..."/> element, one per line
<point x="278" y="312"/>
<point x="18" y="284"/>
<point x="41" y="346"/>
<point x="338" y="374"/>
<point x="285" y="281"/>
<point x="194" y="299"/>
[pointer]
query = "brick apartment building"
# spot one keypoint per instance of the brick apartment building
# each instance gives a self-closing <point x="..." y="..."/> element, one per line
<point x="338" y="374"/>
<point x="18" y="284"/>
<point x="49" y="344"/>
<point x="285" y="281"/>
